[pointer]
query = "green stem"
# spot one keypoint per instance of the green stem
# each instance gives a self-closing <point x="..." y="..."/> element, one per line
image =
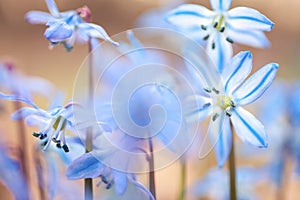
<point x="151" y="169"/>
<point x="233" y="194"/>
<point x="88" y="182"/>
<point x="183" y="169"/>
<point x="23" y="149"/>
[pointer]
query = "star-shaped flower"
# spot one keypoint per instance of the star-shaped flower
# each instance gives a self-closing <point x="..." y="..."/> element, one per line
<point x="226" y="98"/>
<point x="67" y="27"/>
<point x="221" y="27"/>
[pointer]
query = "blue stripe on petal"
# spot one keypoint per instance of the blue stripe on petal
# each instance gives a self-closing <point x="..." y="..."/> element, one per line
<point x="248" y="128"/>
<point x="53" y="8"/>
<point x="249" y="19"/>
<point x="237" y="71"/>
<point x="220" y="5"/>
<point x="256" y="85"/>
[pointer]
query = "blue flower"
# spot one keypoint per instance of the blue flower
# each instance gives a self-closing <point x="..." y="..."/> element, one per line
<point x="67" y="27"/>
<point x="88" y="166"/>
<point x="53" y="123"/>
<point x="225" y="100"/>
<point x="222" y="27"/>
<point x="13" y="82"/>
<point x="11" y="175"/>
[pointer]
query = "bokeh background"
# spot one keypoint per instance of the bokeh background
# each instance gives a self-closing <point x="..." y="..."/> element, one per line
<point x="24" y="44"/>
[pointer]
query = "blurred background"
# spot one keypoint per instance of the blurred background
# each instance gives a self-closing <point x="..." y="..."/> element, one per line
<point x="24" y="44"/>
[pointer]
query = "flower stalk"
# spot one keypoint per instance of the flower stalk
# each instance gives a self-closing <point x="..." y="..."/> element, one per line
<point x="183" y="170"/>
<point x="88" y="182"/>
<point x="233" y="192"/>
<point x="151" y="169"/>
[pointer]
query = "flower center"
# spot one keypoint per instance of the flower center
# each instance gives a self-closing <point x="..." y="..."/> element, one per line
<point x="226" y="103"/>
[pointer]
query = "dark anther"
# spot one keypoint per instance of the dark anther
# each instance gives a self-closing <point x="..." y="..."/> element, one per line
<point x="55" y="140"/>
<point x="216" y="91"/>
<point x="44" y="143"/>
<point x="206" y="37"/>
<point x="207" y="90"/>
<point x="222" y="29"/>
<point x="35" y="134"/>
<point x="213" y="45"/>
<point x="104" y="180"/>
<point x="215" y="116"/>
<point x="206" y="105"/>
<point x="43" y="136"/>
<point x="108" y="186"/>
<point x="215" y="24"/>
<point x="229" y="40"/>
<point x="65" y="148"/>
<point x="58" y="145"/>
<point x="228" y="113"/>
<point x="203" y="27"/>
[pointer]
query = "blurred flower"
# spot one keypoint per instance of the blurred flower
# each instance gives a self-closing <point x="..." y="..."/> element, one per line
<point x="18" y="84"/>
<point x="88" y="166"/>
<point x="67" y="27"/>
<point x="11" y="175"/>
<point x="216" y="184"/>
<point x="225" y="101"/>
<point x="53" y="122"/>
<point x="222" y="27"/>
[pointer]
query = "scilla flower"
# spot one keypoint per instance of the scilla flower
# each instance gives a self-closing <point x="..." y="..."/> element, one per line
<point x="222" y="27"/>
<point x="67" y="27"/>
<point x="226" y="98"/>
<point x="53" y="123"/>
<point x="88" y="166"/>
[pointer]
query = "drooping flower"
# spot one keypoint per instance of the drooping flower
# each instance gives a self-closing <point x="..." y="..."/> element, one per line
<point x="88" y="166"/>
<point x="225" y="100"/>
<point x="53" y="123"/>
<point x="67" y="27"/>
<point x="221" y="27"/>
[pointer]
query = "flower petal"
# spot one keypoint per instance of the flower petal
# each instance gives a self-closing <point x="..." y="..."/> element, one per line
<point x="252" y="38"/>
<point x="199" y="111"/>
<point x="222" y="140"/>
<point x="120" y="180"/>
<point x="237" y="71"/>
<point x="249" y="19"/>
<point x="248" y="128"/>
<point x="58" y="31"/>
<point x="12" y="97"/>
<point x="53" y="8"/>
<point x="221" y="53"/>
<point x="96" y="31"/>
<point x="38" y="17"/>
<point x="86" y="166"/>
<point x="220" y="5"/>
<point x="256" y="85"/>
<point x="190" y="15"/>
<point x="214" y="130"/>
<point x="25" y="112"/>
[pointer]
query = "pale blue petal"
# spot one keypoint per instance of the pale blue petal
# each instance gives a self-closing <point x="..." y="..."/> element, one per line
<point x="251" y="38"/>
<point x="249" y="19"/>
<point x="120" y="180"/>
<point x="223" y="141"/>
<point x="143" y="189"/>
<point x="237" y="71"/>
<point x="52" y="8"/>
<point x="248" y="128"/>
<point x="86" y="166"/>
<point x="220" y="5"/>
<point x="38" y="17"/>
<point x="25" y="112"/>
<point x="199" y="111"/>
<point x="95" y="31"/>
<point x="222" y="53"/>
<point x="256" y="85"/>
<point x="12" y="97"/>
<point x="58" y="32"/>
<point x="214" y="130"/>
<point x="190" y="15"/>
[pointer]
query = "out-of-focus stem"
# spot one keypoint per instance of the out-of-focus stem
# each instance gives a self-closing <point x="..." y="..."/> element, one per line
<point x="88" y="182"/>
<point x="151" y="169"/>
<point x="183" y="172"/>
<point x="233" y="194"/>
<point x="23" y="150"/>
